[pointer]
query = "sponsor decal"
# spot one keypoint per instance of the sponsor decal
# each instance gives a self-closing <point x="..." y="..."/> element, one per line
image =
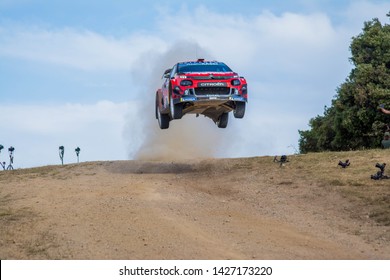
<point x="215" y="84"/>
<point x="237" y="98"/>
<point x="187" y="98"/>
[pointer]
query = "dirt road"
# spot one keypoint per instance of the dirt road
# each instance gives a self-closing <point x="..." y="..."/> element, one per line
<point x="207" y="209"/>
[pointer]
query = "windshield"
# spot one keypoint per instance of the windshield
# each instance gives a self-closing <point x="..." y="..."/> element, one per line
<point x="202" y="67"/>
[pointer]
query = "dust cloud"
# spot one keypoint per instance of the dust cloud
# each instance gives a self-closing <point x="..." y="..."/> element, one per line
<point x="188" y="138"/>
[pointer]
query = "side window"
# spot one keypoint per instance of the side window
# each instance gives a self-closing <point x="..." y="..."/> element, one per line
<point x="173" y="72"/>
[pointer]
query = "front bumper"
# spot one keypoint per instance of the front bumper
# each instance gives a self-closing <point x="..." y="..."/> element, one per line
<point x="191" y="96"/>
<point x="236" y="98"/>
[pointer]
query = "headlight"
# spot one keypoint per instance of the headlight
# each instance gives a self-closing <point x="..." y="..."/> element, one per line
<point x="176" y="90"/>
<point x="236" y="82"/>
<point x="244" y="89"/>
<point x="186" y="83"/>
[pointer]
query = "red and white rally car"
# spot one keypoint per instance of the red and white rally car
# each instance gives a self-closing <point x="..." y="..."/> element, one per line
<point x="208" y="88"/>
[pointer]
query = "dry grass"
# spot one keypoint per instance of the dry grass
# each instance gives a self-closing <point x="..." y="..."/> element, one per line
<point x="354" y="182"/>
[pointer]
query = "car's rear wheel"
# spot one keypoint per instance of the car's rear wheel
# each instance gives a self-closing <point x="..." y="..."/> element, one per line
<point x="176" y="109"/>
<point x="223" y="120"/>
<point x="239" y="111"/>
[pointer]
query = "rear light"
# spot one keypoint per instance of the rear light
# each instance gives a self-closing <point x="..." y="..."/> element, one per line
<point x="236" y="82"/>
<point x="186" y="83"/>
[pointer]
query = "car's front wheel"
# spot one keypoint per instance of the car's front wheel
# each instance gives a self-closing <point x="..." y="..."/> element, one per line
<point x="176" y="109"/>
<point x="163" y="119"/>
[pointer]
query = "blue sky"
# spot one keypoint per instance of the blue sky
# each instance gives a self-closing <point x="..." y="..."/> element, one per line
<point x="84" y="73"/>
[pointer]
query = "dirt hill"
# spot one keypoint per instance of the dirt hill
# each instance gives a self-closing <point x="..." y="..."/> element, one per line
<point x="246" y="208"/>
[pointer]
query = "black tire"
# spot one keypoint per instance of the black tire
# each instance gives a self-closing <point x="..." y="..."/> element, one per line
<point x="223" y="120"/>
<point x="176" y="110"/>
<point x="239" y="111"/>
<point x="163" y="119"/>
<point x="156" y="106"/>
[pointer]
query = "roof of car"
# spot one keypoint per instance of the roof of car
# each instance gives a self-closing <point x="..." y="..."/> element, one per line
<point x="200" y="61"/>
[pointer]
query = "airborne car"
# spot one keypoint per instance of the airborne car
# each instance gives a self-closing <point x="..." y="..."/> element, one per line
<point x="208" y="88"/>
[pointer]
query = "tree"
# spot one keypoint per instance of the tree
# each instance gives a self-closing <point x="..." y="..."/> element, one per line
<point x="353" y="121"/>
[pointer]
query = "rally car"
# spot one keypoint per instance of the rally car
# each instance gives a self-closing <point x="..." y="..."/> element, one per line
<point x="208" y="88"/>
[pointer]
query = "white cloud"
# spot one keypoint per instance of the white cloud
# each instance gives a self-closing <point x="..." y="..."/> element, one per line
<point x="245" y="41"/>
<point x="47" y="119"/>
<point x="36" y="132"/>
<point x="83" y="49"/>
<point x="361" y="11"/>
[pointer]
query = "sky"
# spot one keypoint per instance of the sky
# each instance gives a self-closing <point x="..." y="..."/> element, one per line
<point x="84" y="74"/>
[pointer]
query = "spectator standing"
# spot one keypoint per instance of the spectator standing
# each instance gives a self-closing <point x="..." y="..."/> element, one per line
<point x="386" y="140"/>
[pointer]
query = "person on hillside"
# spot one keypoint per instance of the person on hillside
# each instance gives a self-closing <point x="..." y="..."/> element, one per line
<point x="386" y="140"/>
<point x="384" y="111"/>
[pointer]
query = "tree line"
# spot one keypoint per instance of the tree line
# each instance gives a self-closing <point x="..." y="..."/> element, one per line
<point x="353" y="120"/>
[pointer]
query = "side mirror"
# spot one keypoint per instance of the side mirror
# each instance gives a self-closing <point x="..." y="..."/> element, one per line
<point x="167" y="73"/>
